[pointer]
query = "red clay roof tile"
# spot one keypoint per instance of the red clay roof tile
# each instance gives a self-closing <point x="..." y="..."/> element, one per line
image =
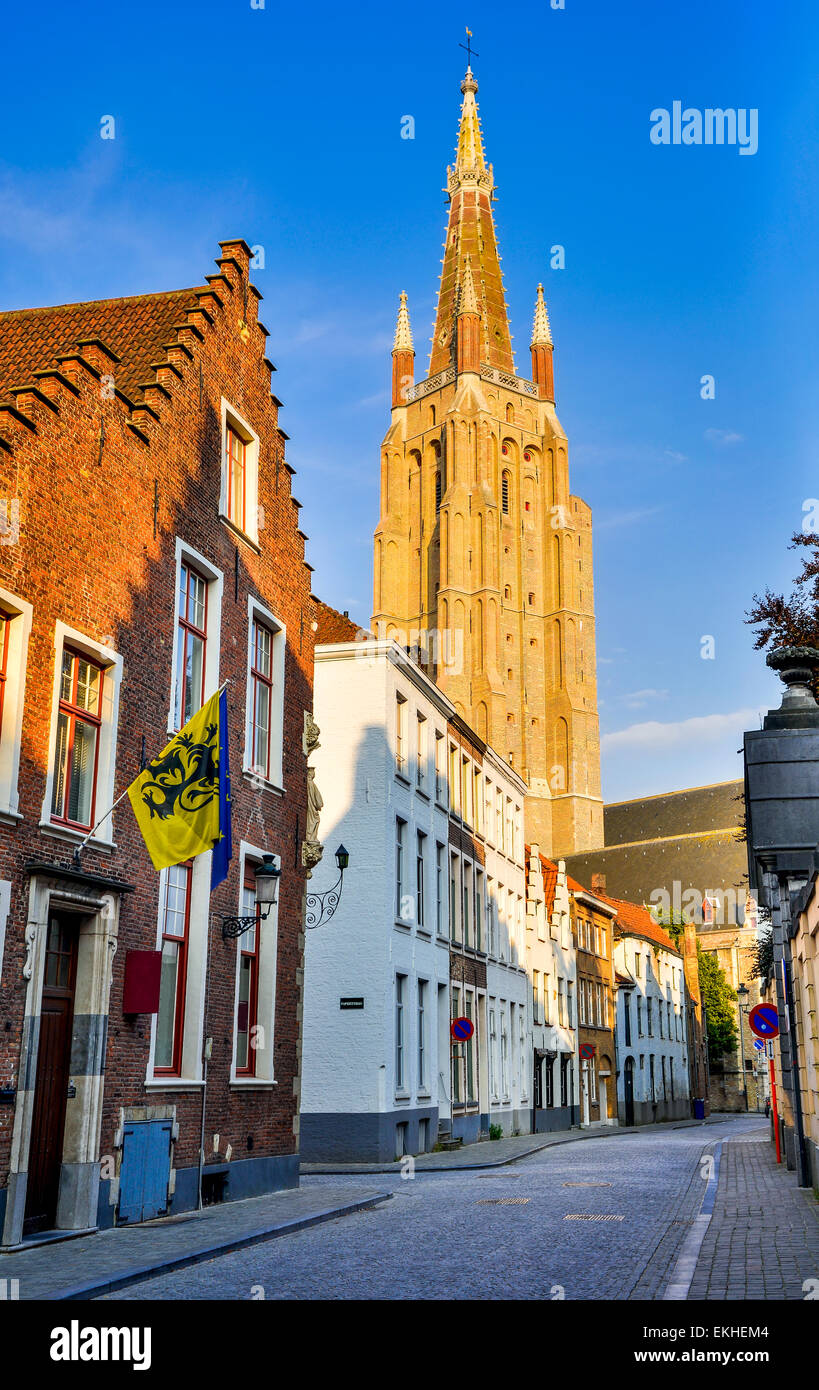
<point x="137" y="330"/>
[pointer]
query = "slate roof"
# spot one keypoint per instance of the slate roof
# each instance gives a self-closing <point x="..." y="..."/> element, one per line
<point x="137" y="330"/>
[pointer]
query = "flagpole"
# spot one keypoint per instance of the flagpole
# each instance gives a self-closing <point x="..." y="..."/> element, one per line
<point x="84" y="841"/>
<point x="81" y="846"/>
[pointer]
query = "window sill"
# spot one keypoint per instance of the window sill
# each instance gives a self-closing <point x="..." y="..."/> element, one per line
<point x="252" y="1083"/>
<point x="403" y="1097"/>
<point x="242" y="535"/>
<point x="402" y="777"/>
<point x="172" y="1083"/>
<point x="255" y="780"/>
<point x="424" y="931"/>
<point x="9" y="817"/>
<point x="405" y="926"/>
<point x="422" y="793"/>
<point x="64" y="832"/>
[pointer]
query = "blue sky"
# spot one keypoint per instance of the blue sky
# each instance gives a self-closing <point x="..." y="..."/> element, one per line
<point x="283" y="125"/>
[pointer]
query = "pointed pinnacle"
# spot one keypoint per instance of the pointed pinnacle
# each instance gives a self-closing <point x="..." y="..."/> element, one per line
<point x="403" y="332"/>
<point x="541" y="332"/>
<point x="468" y="299"/>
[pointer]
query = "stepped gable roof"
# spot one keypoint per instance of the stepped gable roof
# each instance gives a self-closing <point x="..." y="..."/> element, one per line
<point x="637" y="921"/>
<point x="136" y="329"/>
<point x="549" y="883"/>
<point x="333" y="626"/>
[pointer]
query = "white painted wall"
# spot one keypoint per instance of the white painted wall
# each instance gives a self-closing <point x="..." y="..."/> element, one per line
<point x="658" y="976"/>
<point x="348" y="1061"/>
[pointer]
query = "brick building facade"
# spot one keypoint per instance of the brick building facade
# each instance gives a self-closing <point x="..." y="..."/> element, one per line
<point x="593" y="928"/>
<point x="151" y="552"/>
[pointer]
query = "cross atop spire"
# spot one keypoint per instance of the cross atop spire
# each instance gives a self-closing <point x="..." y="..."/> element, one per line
<point x="469" y="49"/>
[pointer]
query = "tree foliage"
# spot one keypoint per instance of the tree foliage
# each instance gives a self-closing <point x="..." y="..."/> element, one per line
<point x="763" y="951"/>
<point x="791" y="621"/>
<point x="717" y="998"/>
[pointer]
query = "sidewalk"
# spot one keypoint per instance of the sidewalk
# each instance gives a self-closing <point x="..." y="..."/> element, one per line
<point x="763" y="1238"/>
<point x="96" y="1264"/>
<point x="495" y="1153"/>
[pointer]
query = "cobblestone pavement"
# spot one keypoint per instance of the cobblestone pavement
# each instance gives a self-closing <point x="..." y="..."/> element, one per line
<point x="72" y="1268"/>
<point x="510" y="1233"/>
<point x="763" y="1240"/>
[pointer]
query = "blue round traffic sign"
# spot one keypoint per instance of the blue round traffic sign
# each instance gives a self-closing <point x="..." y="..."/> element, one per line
<point x="462" y="1029"/>
<point x="759" y="1044"/>
<point x="764" y="1020"/>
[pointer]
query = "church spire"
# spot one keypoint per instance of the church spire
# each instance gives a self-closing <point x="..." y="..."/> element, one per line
<point x="403" y="355"/>
<point x="542" y="350"/>
<point x="471" y="232"/>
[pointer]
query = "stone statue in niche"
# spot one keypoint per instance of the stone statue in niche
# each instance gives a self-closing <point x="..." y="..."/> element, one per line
<point x="312" y="848"/>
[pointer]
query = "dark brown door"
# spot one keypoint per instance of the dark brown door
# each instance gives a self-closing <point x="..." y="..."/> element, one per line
<point x="51" y="1087"/>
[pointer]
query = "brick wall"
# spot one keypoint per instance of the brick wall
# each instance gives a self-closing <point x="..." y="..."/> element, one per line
<point x="93" y="553"/>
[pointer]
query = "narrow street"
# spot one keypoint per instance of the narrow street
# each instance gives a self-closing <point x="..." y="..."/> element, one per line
<point x="593" y="1219"/>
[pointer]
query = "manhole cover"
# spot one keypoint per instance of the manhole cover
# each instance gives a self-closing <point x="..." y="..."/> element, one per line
<point x="502" y="1201"/>
<point x="582" y="1216"/>
<point x="587" y="1184"/>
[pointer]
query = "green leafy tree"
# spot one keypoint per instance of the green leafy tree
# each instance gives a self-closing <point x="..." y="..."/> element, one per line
<point x="792" y="621"/>
<point x="763" y="951"/>
<point x="717" y="997"/>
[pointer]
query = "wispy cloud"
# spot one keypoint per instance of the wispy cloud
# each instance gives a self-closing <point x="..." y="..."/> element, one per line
<point x="672" y="454"/>
<point x="608" y="523"/>
<point x="636" y="699"/>
<point x="706" y="728"/>
<point x="724" y="436"/>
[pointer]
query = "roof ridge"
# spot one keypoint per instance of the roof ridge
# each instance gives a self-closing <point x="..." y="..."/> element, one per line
<point x="94" y="303"/>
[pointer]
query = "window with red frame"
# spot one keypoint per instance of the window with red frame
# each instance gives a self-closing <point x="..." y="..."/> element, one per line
<point x="261" y="676"/>
<point x="78" y="739"/>
<point x="236" y="450"/>
<point x="191" y="641"/>
<point x="5" y="623"/>
<point x="170" y="1019"/>
<point x="248" y="1006"/>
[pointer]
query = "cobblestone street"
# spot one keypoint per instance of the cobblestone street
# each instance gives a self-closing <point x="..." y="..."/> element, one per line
<point x="589" y="1220"/>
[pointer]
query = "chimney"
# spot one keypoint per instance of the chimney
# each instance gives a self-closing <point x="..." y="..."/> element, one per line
<point x="598" y="883"/>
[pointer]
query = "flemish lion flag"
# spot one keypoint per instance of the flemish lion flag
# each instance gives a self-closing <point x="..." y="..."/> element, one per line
<point x="177" y="800"/>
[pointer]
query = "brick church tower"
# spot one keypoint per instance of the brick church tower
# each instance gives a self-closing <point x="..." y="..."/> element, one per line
<point x="483" y="558"/>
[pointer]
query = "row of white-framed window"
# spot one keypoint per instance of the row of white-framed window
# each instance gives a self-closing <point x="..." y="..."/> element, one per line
<point x="460" y="784"/>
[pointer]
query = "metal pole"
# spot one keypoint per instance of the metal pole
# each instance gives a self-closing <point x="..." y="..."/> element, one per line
<point x="774" y="1110"/>
<point x="742" y="1059"/>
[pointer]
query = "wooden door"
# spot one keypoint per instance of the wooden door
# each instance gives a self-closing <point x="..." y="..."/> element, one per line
<point x="51" y="1086"/>
<point x="628" y="1086"/>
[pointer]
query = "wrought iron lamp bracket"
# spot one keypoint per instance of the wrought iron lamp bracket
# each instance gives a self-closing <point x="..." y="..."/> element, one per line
<point x="320" y="907"/>
<point x="236" y="926"/>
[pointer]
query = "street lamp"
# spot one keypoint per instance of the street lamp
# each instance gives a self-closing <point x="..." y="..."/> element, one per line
<point x="743" y="992"/>
<point x="266" y="881"/>
<point x="319" y="907"/>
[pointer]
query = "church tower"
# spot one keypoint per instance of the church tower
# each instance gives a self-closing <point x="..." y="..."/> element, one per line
<point x="483" y="558"/>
